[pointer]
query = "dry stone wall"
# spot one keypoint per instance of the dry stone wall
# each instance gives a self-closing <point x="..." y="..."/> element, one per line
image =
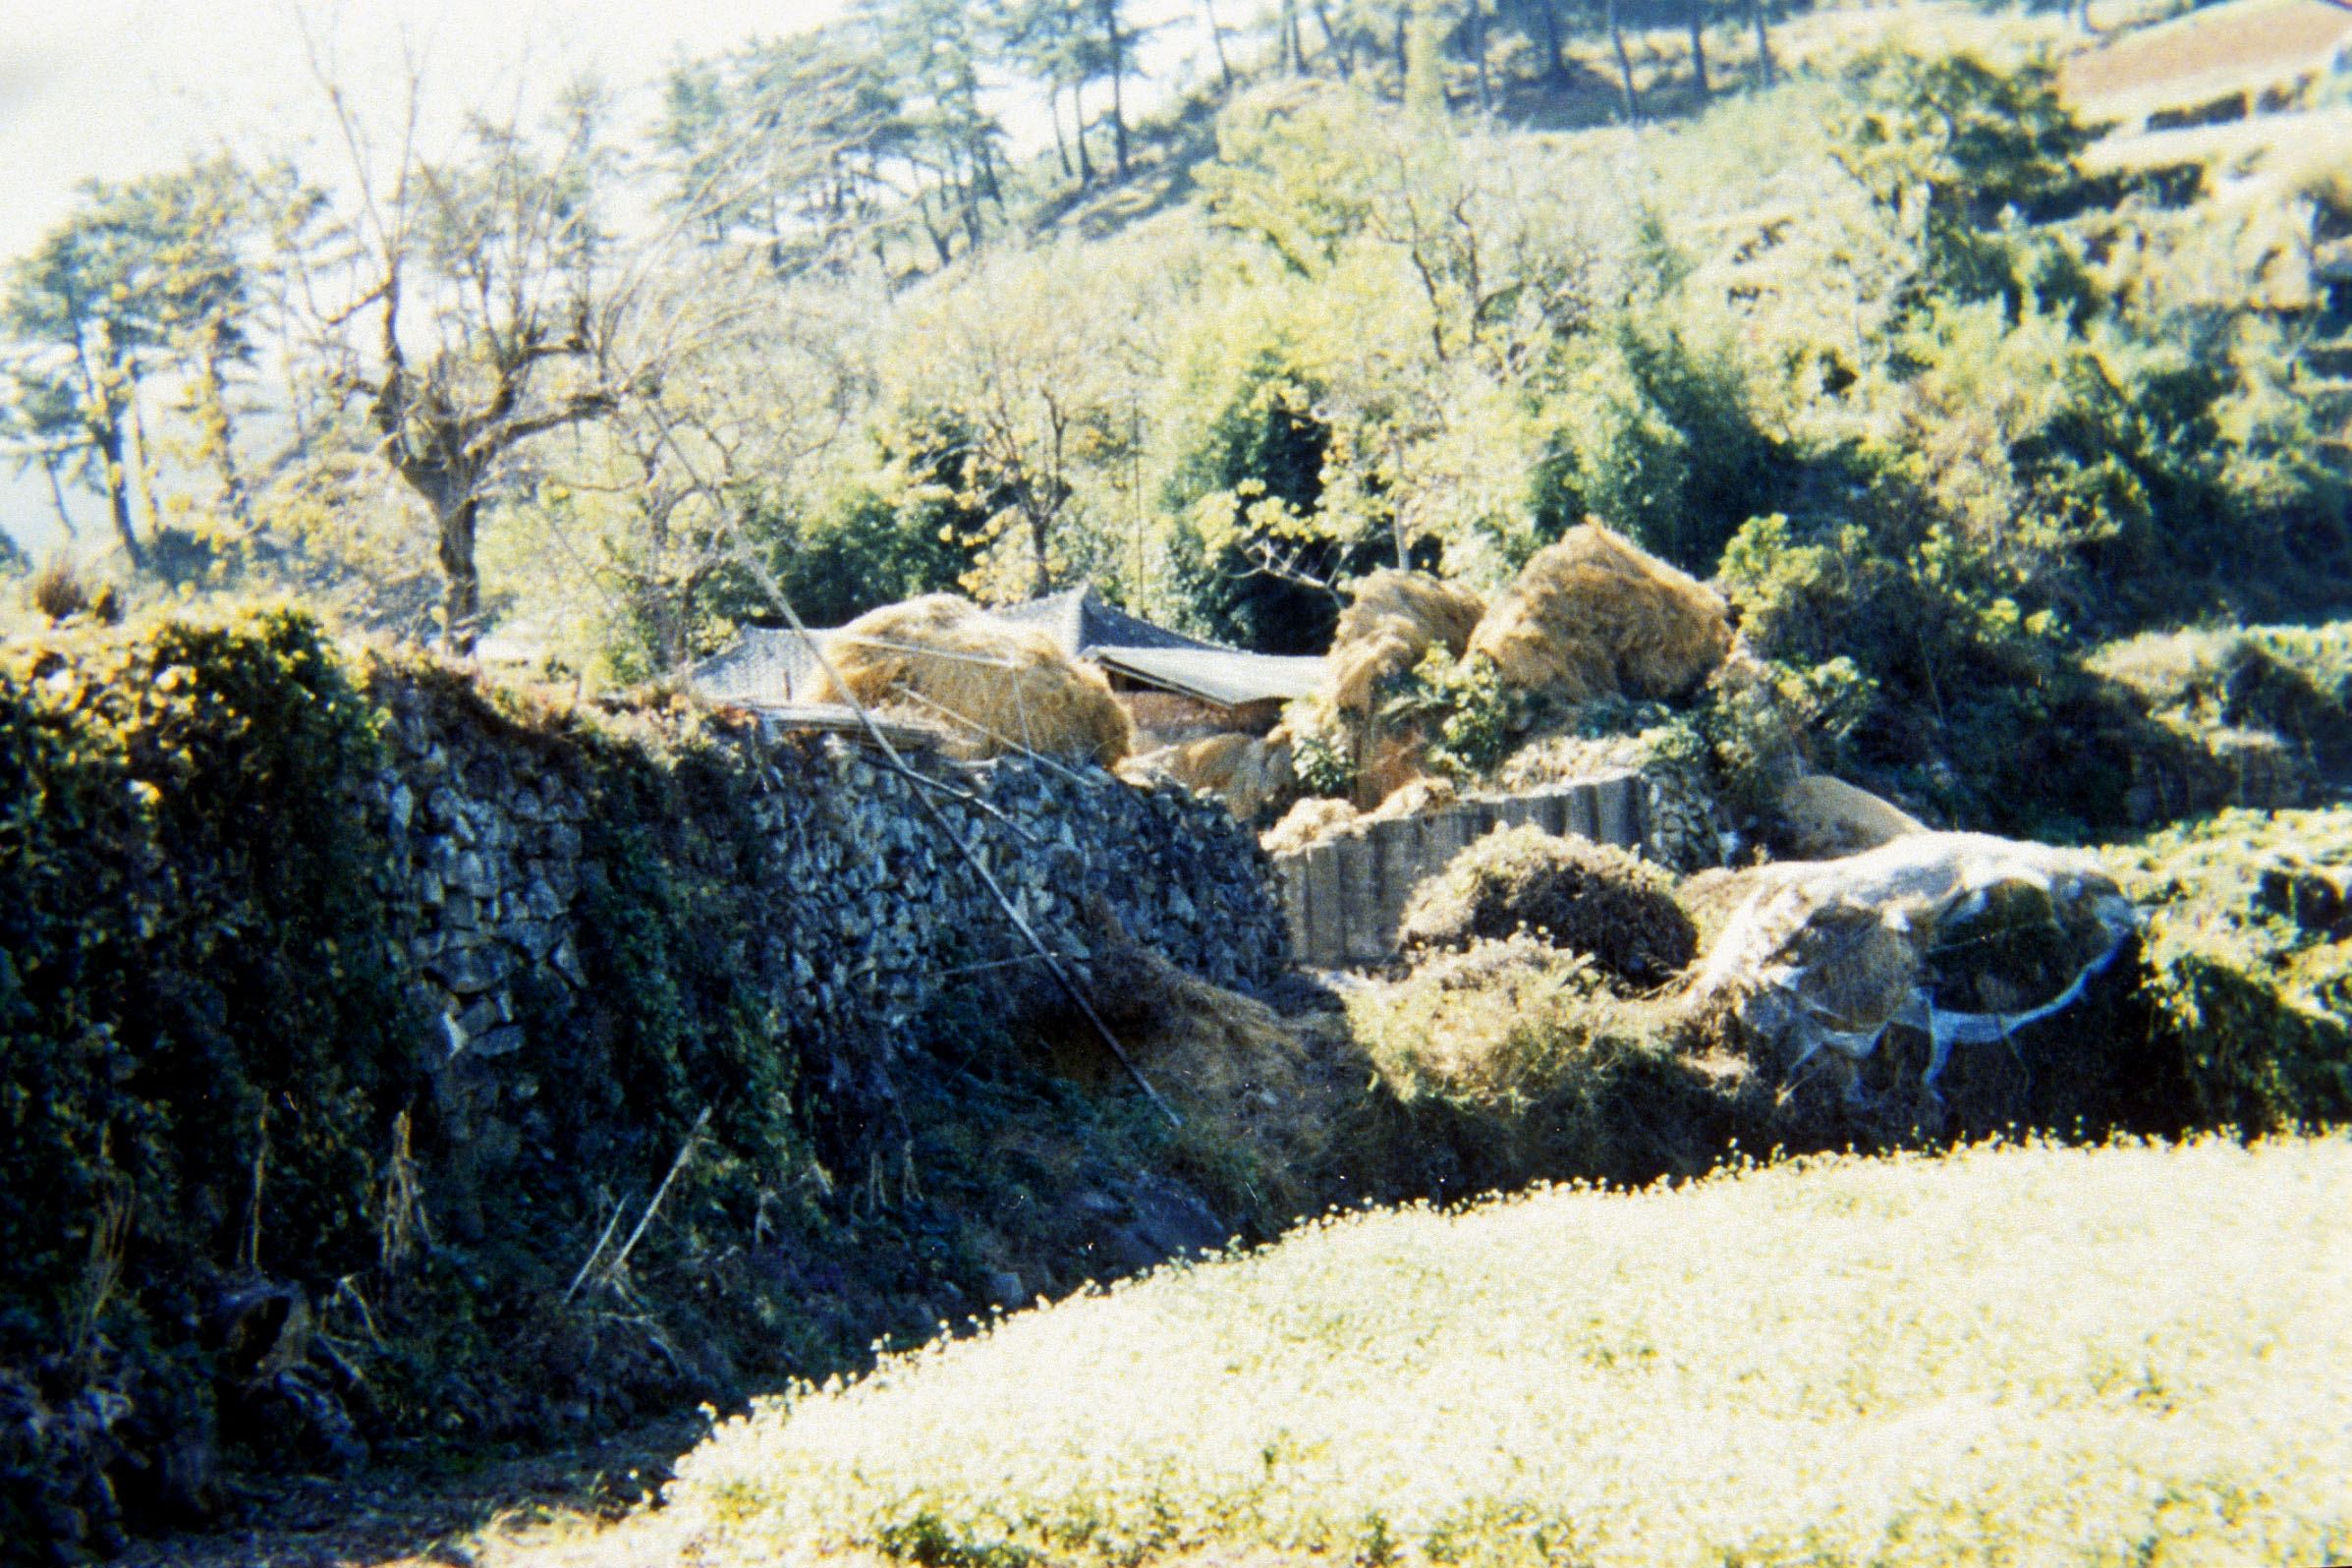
<point x="873" y="915"/>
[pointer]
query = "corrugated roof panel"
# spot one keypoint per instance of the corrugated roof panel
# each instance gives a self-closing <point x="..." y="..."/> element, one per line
<point x="1223" y="676"/>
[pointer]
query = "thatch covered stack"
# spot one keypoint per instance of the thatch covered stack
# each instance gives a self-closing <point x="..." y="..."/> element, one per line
<point x="1594" y="616"/>
<point x="994" y="687"/>
<point x="1395" y="618"/>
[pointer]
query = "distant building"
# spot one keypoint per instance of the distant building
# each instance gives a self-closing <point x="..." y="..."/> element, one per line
<point x="1212" y="687"/>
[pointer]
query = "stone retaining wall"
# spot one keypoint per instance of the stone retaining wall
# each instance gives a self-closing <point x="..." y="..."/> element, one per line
<point x="871" y="916"/>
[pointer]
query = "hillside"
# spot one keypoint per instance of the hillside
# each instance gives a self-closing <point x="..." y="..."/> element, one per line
<point x="2068" y="1356"/>
<point x="434" y="1027"/>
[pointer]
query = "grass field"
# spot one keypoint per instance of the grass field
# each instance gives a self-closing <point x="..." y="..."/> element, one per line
<point x="2129" y="1354"/>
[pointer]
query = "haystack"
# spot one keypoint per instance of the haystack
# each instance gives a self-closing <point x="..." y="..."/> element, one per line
<point x="1307" y="824"/>
<point x="1590" y="898"/>
<point x="997" y="686"/>
<point x="1395" y="618"/>
<point x="1594" y="616"/>
<point x="1250" y="775"/>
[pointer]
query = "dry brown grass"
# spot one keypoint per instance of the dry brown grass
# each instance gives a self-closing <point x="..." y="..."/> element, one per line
<point x="1307" y="824"/>
<point x="1266" y="1100"/>
<point x="997" y="688"/>
<point x="2253" y="36"/>
<point x="1417" y="798"/>
<point x="1594" y="616"/>
<point x="1394" y="619"/>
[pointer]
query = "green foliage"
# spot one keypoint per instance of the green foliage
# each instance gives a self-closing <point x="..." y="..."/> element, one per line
<point x="1666" y="447"/>
<point x="197" y="982"/>
<point x="1321" y="753"/>
<point x="2249" y="955"/>
<point x="1475" y="717"/>
<point x="1949" y="145"/>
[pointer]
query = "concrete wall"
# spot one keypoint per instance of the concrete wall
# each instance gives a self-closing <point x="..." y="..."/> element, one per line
<point x="1345" y="897"/>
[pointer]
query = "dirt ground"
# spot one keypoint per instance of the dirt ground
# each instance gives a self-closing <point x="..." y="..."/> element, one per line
<point x="394" y="1518"/>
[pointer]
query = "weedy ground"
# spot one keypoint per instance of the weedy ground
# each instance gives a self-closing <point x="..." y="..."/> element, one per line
<point x="2129" y="1354"/>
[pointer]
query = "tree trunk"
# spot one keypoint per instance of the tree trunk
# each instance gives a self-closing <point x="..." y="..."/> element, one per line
<point x="1763" y="40"/>
<point x="1053" y="111"/>
<point x="108" y="438"/>
<point x="1331" y="48"/>
<point x="1404" y="50"/>
<point x="1292" y="61"/>
<point x="1078" y="121"/>
<point x="65" y="517"/>
<point x="1632" y="103"/>
<point x="461" y="602"/>
<point x="1477" y="47"/>
<point x="220" y="437"/>
<point x="1118" y="73"/>
<point x="1216" y="37"/>
<point x="1697" y="17"/>
<point x="142" y="463"/>
<point x="1551" y="41"/>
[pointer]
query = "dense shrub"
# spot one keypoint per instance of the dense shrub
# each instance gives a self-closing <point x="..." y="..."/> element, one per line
<point x="2249" y="954"/>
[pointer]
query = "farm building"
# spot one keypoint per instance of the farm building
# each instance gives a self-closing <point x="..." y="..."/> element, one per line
<point x="1176" y="687"/>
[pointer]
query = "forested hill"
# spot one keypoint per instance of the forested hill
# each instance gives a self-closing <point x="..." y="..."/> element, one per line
<point x="1852" y="310"/>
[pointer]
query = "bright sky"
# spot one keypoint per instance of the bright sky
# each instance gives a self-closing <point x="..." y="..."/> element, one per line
<point x="115" y="88"/>
<point x="118" y="87"/>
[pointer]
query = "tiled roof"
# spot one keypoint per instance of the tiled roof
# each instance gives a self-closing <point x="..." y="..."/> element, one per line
<point x="1078" y="620"/>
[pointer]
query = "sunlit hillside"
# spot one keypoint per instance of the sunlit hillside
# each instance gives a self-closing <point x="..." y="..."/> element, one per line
<point x="2127" y="1355"/>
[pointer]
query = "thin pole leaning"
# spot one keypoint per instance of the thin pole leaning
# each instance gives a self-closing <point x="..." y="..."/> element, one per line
<point x="1052" y="960"/>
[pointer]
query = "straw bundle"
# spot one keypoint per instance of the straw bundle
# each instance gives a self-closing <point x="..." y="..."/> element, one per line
<point x="1394" y="619"/>
<point x="1593" y="616"/>
<point x="1416" y="799"/>
<point x="997" y="688"/>
<point x="1307" y="824"/>
<point x="1250" y="775"/>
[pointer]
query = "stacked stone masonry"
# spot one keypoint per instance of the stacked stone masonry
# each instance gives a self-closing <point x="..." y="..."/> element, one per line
<point x="873" y="917"/>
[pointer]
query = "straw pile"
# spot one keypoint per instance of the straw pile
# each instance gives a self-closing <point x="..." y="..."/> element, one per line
<point x="996" y="687"/>
<point x="1418" y="798"/>
<point x="1394" y="619"/>
<point x="1593" y="616"/>
<point x="1307" y="824"/>
<point x="1251" y="776"/>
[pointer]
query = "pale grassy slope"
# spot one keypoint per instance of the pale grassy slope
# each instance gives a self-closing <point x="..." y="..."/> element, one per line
<point x="2034" y="1355"/>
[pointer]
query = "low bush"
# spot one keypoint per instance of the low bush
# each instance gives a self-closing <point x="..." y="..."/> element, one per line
<point x="1593" y="899"/>
<point x="2249" y="962"/>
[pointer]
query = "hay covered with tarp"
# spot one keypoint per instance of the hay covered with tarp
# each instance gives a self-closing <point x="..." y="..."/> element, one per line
<point x="1393" y="620"/>
<point x="1568" y="891"/>
<point x="994" y="687"/>
<point x="1594" y="616"/>
<point x="1961" y="938"/>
